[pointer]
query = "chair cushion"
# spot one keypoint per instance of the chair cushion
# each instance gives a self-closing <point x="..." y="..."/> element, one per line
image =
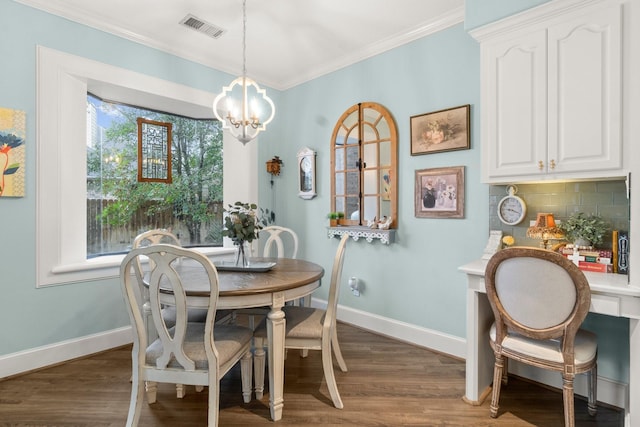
<point x="196" y="315"/>
<point x="302" y="322"/>
<point x="229" y="339"/>
<point x="586" y="346"/>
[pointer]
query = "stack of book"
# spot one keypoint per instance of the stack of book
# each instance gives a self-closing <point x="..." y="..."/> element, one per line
<point x="598" y="260"/>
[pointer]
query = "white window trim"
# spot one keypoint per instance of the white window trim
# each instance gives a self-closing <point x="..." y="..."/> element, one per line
<point x="62" y="84"/>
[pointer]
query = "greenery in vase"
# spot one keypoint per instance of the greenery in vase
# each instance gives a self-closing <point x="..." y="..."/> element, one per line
<point x="242" y="222"/>
<point x="589" y="227"/>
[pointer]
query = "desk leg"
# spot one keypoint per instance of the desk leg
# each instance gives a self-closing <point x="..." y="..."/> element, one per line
<point x="275" y="336"/>
<point x="480" y="359"/>
<point x="632" y="415"/>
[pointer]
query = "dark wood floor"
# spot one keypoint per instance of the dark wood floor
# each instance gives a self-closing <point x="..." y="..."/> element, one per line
<point x="388" y="384"/>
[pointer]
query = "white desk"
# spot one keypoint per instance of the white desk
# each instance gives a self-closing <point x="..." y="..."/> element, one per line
<point x="610" y="295"/>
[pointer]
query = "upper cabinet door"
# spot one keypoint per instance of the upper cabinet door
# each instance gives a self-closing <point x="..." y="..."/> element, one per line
<point x="515" y="106"/>
<point x="552" y="83"/>
<point x="585" y="77"/>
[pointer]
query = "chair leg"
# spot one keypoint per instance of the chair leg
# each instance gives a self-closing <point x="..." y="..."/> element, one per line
<point x="505" y="371"/>
<point x="304" y="302"/>
<point x="497" y="382"/>
<point x="152" y="389"/>
<point x="567" y="396"/>
<point x="247" y="375"/>
<point x="135" y="404"/>
<point x="337" y="352"/>
<point x="327" y="366"/>
<point x="593" y="390"/>
<point x="214" y="403"/>
<point x="258" y="368"/>
<point x="181" y="391"/>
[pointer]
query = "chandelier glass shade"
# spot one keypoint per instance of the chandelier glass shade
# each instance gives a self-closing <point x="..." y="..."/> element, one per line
<point x="241" y="106"/>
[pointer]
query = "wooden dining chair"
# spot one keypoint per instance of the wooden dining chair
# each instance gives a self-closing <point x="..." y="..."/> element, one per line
<point x="309" y="328"/>
<point x="154" y="237"/>
<point x="275" y="241"/>
<point x="196" y="353"/>
<point x="539" y="300"/>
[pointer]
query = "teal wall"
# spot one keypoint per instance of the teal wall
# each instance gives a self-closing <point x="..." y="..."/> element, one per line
<point x="48" y="315"/>
<point x="480" y="12"/>
<point x="414" y="280"/>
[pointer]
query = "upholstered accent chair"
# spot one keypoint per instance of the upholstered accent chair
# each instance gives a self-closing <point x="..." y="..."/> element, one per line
<point x="539" y="299"/>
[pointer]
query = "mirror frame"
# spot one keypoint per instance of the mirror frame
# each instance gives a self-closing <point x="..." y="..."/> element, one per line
<point x="382" y="115"/>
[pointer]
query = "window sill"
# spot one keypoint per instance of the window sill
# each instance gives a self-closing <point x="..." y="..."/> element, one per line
<point x="109" y="266"/>
<point x="369" y="234"/>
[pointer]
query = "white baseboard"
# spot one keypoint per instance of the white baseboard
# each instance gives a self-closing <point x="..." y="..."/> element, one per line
<point x="39" y="357"/>
<point x="609" y="392"/>
<point x="406" y="332"/>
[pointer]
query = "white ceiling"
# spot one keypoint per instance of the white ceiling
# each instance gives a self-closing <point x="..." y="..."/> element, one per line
<point x="288" y="41"/>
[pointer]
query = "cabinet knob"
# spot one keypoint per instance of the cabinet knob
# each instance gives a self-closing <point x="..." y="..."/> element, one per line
<point x="540" y="165"/>
<point x="552" y="164"/>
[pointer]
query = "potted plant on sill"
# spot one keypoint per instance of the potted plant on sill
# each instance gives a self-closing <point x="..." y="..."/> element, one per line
<point x="584" y="230"/>
<point x="334" y="218"/>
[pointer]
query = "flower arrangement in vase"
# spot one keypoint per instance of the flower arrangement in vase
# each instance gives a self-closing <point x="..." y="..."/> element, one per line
<point x="242" y="224"/>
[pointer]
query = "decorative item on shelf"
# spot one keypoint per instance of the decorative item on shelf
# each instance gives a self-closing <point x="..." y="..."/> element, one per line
<point x="242" y="225"/>
<point x="508" y="241"/>
<point x="584" y="230"/>
<point x="545" y="229"/>
<point x="511" y="208"/>
<point x="334" y="218"/>
<point x="238" y="113"/>
<point x="384" y="223"/>
<point x="493" y="244"/>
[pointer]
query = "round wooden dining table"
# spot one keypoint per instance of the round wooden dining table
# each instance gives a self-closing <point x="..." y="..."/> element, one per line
<point x="289" y="279"/>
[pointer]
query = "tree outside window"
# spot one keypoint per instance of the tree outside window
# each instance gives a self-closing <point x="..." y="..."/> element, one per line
<point x="119" y="206"/>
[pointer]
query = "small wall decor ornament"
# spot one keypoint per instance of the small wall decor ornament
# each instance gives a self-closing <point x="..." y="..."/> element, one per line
<point x="307" y="173"/>
<point x="12" y="152"/>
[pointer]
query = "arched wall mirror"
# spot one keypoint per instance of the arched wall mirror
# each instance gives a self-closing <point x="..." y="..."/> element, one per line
<point x="364" y="165"/>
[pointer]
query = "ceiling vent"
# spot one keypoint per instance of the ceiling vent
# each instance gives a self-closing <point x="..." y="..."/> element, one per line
<point x="202" y="27"/>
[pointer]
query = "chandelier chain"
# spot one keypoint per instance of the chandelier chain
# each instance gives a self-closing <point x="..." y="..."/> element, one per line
<point x="244" y="38"/>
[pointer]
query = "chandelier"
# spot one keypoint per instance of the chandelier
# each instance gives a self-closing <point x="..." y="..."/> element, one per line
<point x="241" y="110"/>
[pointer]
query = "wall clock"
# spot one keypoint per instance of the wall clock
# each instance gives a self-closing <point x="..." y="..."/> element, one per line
<point x="511" y="208"/>
<point x="307" y="173"/>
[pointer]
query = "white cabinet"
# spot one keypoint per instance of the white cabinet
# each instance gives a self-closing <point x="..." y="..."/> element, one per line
<point x="552" y="93"/>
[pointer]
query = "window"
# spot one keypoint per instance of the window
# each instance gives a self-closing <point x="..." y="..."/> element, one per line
<point x="183" y="195"/>
<point x="63" y="81"/>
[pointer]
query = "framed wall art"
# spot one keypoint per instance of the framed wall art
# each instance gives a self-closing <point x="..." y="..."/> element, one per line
<point x="439" y="193"/>
<point x="439" y="131"/>
<point x="13" y="131"/>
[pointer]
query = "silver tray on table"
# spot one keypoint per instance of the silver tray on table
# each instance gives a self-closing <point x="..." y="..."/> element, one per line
<point x="254" y="267"/>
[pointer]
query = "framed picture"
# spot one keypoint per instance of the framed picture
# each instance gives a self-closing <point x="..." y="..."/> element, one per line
<point x="439" y="193"/>
<point x="439" y="131"/>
